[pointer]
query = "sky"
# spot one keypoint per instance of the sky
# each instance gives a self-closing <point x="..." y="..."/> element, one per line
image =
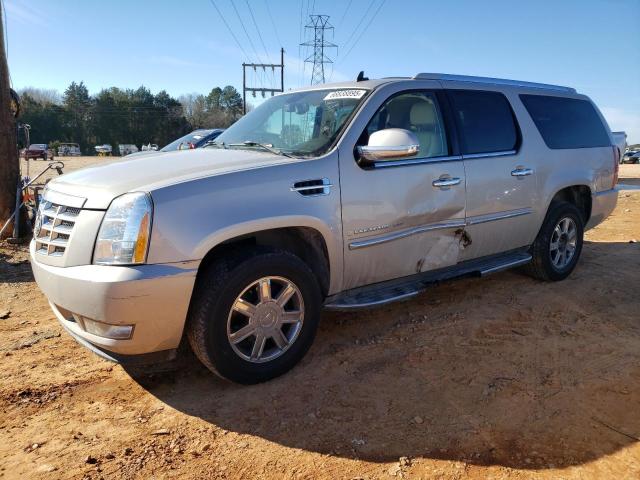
<point x="194" y="45"/>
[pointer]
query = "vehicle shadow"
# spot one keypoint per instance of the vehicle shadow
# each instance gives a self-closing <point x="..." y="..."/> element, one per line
<point x="500" y="371"/>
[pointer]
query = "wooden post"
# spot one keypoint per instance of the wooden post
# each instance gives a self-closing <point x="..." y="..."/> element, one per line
<point x="281" y="70"/>
<point x="244" y="89"/>
<point x="9" y="162"/>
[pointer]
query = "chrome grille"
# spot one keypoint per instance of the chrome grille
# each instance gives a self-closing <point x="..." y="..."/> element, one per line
<point x="54" y="225"/>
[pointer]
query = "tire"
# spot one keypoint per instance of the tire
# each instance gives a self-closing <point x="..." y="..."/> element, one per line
<point x="543" y="266"/>
<point x="213" y="320"/>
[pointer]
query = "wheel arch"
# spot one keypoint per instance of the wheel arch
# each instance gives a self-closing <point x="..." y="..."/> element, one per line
<point x="308" y="242"/>
<point x="578" y="195"/>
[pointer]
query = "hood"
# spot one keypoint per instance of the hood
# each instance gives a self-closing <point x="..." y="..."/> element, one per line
<point x="142" y="152"/>
<point x="102" y="183"/>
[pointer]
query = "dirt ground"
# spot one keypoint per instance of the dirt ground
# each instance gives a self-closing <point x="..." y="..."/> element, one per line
<point x="503" y="377"/>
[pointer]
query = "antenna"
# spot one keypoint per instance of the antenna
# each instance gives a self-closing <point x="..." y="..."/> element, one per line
<point x="319" y="24"/>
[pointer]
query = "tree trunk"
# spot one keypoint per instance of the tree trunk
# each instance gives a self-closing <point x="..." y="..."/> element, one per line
<point x="9" y="162"/>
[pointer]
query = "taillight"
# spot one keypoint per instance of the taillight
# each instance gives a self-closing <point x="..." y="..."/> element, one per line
<point x="616" y="165"/>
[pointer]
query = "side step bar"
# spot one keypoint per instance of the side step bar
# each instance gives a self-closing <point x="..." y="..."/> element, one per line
<point x="407" y="287"/>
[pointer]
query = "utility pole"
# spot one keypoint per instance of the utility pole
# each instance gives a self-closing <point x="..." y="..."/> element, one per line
<point x="264" y="66"/>
<point x="9" y="162"/>
<point x="319" y="24"/>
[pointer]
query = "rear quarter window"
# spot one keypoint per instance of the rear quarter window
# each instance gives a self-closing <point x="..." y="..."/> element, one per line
<point x="566" y="122"/>
<point x="485" y="121"/>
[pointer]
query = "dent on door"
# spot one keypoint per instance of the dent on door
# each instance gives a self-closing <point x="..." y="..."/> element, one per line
<point x="404" y="230"/>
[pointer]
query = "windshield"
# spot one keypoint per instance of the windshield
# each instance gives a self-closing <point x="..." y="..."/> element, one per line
<point x="188" y="141"/>
<point x="37" y="146"/>
<point x="300" y="124"/>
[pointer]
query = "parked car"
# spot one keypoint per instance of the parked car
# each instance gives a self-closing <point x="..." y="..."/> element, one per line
<point x="150" y="147"/>
<point x="195" y="139"/>
<point x="127" y="149"/>
<point x="620" y="139"/>
<point x="103" y="150"/>
<point x="338" y="196"/>
<point x="69" y="150"/>
<point x="38" y="150"/>
<point x="631" y="156"/>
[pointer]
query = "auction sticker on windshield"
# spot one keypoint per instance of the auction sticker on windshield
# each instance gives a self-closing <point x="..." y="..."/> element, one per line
<point x="341" y="94"/>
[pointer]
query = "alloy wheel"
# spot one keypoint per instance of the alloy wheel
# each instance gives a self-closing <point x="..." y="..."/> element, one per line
<point x="265" y="319"/>
<point x="562" y="247"/>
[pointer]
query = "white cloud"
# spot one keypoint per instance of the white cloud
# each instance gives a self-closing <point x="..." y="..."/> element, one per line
<point x="623" y="120"/>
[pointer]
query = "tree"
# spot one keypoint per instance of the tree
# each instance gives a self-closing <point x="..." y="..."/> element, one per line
<point x="214" y="99"/>
<point x="9" y="163"/>
<point x="77" y="102"/>
<point x="231" y="102"/>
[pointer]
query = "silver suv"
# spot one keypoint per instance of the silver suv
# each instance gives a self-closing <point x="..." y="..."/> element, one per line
<point x="337" y="196"/>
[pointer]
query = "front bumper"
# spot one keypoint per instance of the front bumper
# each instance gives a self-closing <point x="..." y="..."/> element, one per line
<point x="602" y="204"/>
<point x="152" y="298"/>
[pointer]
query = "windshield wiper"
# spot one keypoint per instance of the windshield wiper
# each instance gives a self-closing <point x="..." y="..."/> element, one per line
<point x="264" y="146"/>
<point x="209" y="143"/>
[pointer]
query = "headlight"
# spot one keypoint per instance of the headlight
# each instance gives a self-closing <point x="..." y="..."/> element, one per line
<point x="124" y="234"/>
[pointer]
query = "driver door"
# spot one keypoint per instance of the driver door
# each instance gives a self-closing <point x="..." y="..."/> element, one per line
<point x="405" y="216"/>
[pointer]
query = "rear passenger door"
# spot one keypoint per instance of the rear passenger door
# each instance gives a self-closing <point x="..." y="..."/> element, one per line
<point x="501" y="178"/>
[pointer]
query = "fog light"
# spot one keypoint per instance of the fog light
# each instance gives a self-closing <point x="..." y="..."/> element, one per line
<point x="106" y="330"/>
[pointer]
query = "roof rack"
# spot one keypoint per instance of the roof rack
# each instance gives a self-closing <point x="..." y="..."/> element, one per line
<point x="496" y="81"/>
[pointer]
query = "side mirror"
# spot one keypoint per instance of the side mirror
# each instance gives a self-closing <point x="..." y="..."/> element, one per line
<point x="389" y="144"/>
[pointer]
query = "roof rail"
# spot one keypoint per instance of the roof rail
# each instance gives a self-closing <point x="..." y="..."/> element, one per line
<point x="496" y="81"/>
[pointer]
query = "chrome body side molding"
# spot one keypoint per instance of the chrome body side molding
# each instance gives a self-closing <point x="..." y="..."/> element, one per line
<point x="405" y="233"/>
<point x="492" y="217"/>
<point x="439" y="226"/>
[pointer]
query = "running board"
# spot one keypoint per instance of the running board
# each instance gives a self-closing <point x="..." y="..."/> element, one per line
<point x="407" y="287"/>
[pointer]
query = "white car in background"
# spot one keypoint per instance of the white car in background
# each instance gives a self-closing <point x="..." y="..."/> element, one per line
<point x="195" y="139"/>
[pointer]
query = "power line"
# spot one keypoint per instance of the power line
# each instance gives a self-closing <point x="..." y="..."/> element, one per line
<point x="229" y="28"/>
<point x="364" y="30"/>
<point x="253" y="47"/>
<point x="353" y="32"/>
<point x="275" y="29"/>
<point x="255" y="24"/>
<point x="344" y="14"/>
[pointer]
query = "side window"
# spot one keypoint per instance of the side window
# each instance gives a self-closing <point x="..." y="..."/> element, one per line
<point x="485" y="121"/>
<point x="417" y="112"/>
<point x="566" y="122"/>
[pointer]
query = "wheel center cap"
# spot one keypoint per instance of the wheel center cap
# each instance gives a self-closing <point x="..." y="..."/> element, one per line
<point x="267" y="315"/>
<point x="563" y="241"/>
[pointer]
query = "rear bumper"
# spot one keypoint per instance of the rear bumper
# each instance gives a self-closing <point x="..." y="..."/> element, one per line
<point x="152" y="298"/>
<point x="602" y="204"/>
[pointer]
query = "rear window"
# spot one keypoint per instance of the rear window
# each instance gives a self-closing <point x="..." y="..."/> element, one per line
<point x="566" y="122"/>
<point x="485" y="121"/>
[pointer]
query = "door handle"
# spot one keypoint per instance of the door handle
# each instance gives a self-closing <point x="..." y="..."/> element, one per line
<point x="446" y="182"/>
<point x="521" y="172"/>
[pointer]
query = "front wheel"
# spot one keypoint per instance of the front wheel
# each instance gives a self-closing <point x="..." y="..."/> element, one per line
<point x="558" y="245"/>
<point x="254" y="315"/>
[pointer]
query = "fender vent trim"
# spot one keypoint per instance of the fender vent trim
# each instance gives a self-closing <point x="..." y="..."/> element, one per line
<point x="312" y="188"/>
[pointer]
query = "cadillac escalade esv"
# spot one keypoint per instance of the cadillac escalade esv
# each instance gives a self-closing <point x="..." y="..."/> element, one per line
<point x="336" y="196"/>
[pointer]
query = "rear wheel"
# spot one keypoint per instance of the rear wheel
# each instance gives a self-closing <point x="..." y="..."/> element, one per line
<point x="254" y="315"/>
<point x="557" y="248"/>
